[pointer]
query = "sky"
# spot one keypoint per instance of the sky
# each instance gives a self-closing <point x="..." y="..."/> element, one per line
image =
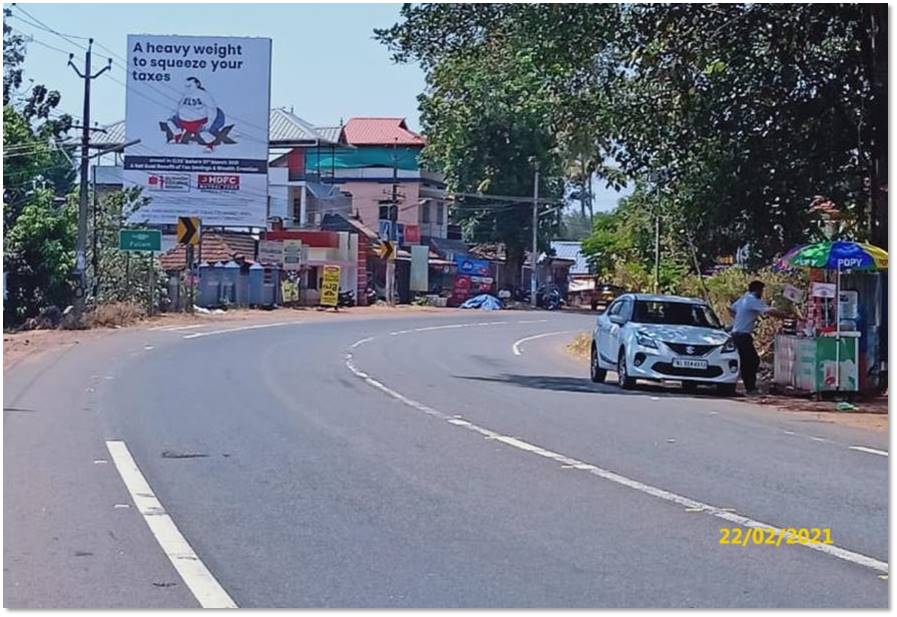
<point x="326" y="65"/>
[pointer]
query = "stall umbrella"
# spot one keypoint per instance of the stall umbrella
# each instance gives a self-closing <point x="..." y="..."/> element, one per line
<point x="837" y="255"/>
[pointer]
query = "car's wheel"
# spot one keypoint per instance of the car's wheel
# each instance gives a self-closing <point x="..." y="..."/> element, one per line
<point x="623" y="379"/>
<point x="597" y="373"/>
<point x="689" y="386"/>
<point x="725" y="389"/>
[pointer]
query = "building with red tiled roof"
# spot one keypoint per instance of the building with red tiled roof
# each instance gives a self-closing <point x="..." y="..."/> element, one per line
<point x="214" y="248"/>
<point x="379" y="165"/>
<point x="380" y="132"/>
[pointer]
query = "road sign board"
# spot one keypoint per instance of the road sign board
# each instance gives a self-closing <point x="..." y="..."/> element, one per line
<point x="271" y="252"/>
<point x="189" y="230"/>
<point x="292" y="254"/>
<point x="386" y="250"/>
<point x="139" y="240"/>
<point x="330" y="286"/>
<point x="419" y="279"/>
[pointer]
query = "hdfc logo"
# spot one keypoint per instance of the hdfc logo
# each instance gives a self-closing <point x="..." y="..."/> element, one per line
<point x="208" y="182"/>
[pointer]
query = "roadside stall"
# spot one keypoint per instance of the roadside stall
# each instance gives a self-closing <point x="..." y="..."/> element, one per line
<point x="822" y="353"/>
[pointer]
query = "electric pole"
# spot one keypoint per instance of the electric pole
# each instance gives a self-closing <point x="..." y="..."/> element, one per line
<point x="393" y="215"/>
<point x="80" y="248"/>
<point x="533" y="283"/>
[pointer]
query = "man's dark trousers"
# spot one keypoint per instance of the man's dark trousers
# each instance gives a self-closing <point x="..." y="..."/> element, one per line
<point x="750" y="361"/>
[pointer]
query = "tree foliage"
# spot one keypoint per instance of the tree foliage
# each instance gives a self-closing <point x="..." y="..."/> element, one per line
<point x="38" y="254"/>
<point x="740" y="114"/>
<point x="38" y="231"/>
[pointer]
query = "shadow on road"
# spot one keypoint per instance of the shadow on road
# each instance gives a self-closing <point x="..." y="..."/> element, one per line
<point x="584" y="384"/>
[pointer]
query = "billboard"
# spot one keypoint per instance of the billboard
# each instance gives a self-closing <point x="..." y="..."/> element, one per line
<point x="200" y="108"/>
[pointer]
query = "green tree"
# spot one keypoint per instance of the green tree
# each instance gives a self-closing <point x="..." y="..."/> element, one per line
<point x="37" y="175"/>
<point x="748" y="111"/>
<point x="38" y="255"/>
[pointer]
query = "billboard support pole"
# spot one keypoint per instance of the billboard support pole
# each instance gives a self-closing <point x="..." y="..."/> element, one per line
<point x="151" y="275"/>
<point x="189" y="264"/>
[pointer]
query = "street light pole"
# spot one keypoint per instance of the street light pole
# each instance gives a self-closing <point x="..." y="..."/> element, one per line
<point x="81" y="244"/>
<point x="656" y="252"/>
<point x="533" y="256"/>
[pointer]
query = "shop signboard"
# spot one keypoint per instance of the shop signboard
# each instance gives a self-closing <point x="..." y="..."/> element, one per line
<point x="292" y="254"/>
<point x="271" y="252"/>
<point x="469" y="266"/>
<point x="330" y="285"/>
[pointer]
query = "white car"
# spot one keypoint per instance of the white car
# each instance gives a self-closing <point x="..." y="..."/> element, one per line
<point x="663" y="338"/>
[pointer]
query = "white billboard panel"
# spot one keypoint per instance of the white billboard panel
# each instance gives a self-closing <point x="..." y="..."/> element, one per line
<point x="200" y="108"/>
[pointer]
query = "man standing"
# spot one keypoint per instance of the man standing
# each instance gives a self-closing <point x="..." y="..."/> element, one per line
<point x="745" y="312"/>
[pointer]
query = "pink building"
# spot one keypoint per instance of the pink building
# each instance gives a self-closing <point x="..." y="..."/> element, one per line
<point x="378" y="164"/>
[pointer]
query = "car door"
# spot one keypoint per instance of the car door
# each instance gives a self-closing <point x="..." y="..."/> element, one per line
<point x="615" y="332"/>
<point x="605" y="328"/>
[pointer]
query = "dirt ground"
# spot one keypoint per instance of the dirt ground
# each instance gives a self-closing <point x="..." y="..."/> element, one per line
<point x="23" y="345"/>
<point x="871" y="413"/>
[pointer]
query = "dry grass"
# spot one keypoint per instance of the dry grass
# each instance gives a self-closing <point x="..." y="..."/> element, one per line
<point x="581" y="345"/>
<point x="116" y="314"/>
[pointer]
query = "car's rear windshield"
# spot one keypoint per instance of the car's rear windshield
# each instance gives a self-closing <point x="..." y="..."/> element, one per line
<point x="674" y="313"/>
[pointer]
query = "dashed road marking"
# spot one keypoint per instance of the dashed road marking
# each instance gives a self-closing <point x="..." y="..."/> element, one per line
<point x="869" y="450"/>
<point x="726" y="514"/>
<point x="177" y="328"/>
<point x="516" y="346"/>
<point x="241" y="329"/>
<point x="207" y="590"/>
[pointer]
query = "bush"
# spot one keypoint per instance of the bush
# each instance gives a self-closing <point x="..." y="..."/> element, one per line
<point x="115" y="314"/>
<point x="730" y="284"/>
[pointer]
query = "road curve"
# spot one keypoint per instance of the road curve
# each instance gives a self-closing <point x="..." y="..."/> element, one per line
<point x="299" y="483"/>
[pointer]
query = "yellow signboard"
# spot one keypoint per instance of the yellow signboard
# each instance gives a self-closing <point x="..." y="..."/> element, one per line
<point x="330" y="286"/>
<point x="188" y="230"/>
<point x="289" y="291"/>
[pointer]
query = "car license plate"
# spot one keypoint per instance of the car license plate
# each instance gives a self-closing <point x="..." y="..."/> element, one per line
<point x="689" y="363"/>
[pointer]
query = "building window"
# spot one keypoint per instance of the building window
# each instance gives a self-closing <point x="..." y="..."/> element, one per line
<point x="425" y="213"/>
<point x="440" y="214"/>
<point x="384" y="213"/>
<point x="297" y="210"/>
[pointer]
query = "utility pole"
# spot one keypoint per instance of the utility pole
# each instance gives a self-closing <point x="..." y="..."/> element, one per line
<point x="533" y="283"/>
<point x="393" y="215"/>
<point x="80" y="247"/>
<point x="657" y="243"/>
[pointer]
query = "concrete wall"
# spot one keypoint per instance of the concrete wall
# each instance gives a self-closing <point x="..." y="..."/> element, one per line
<point x="367" y="195"/>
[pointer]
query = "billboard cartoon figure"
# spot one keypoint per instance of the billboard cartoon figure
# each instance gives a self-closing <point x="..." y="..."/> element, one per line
<point x="197" y="118"/>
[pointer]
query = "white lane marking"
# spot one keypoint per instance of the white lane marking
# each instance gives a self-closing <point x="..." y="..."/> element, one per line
<point x="176" y="328"/>
<point x="362" y="342"/>
<point x="789" y="432"/>
<point x="869" y="450"/>
<point x="208" y="592"/>
<point x="516" y="346"/>
<point x="533" y="321"/>
<point x="725" y="514"/>
<point x="818" y="439"/>
<point x="240" y="329"/>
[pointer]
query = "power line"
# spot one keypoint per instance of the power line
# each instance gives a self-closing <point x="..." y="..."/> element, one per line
<point x="37" y="23"/>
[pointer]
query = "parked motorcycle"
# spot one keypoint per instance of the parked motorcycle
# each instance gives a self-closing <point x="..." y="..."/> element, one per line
<point x="552" y="300"/>
<point x="346" y="298"/>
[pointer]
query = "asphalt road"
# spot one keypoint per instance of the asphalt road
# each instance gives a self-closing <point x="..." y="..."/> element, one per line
<point x="417" y="462"/>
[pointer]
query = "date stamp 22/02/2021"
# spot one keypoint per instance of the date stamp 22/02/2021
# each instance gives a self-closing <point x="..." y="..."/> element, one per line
<point x="738" y="536"/>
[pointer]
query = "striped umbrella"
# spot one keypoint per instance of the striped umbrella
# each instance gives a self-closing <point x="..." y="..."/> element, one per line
<point x="836" y="255"/>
